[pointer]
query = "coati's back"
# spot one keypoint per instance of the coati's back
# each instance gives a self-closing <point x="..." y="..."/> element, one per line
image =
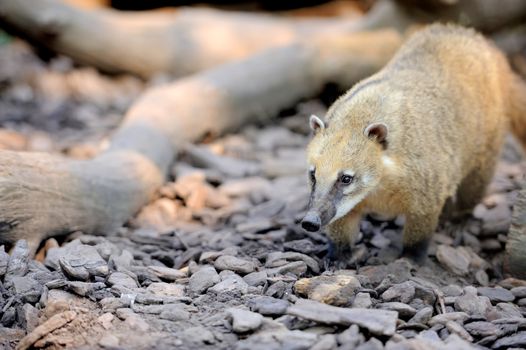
<point x="444" y="92"/>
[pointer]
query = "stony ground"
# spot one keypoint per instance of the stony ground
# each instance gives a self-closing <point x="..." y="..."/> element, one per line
<point x="218" y="260"/>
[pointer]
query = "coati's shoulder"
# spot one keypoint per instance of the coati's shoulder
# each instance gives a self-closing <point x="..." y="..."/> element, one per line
<point x="449" y="29"/>
<point x="444" y="33"/>
<point x="425" y="57"/>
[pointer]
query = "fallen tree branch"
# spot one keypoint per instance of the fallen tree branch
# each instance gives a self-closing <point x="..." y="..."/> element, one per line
<point x="42" y="195"/>
<point x="181" y="42"/>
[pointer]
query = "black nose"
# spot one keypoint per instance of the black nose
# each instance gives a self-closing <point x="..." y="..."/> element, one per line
<point x="311" y="222"/>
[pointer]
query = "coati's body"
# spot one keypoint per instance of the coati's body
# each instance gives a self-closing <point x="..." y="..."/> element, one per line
<point x="427" y="128"/>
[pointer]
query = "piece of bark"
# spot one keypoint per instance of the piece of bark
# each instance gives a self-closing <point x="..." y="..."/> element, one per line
<point x="42" y="195"/>
<point x="515" y="261"/>
<point x="45" y="328"/>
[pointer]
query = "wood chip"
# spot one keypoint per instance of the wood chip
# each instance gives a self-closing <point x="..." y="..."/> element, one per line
<point x="45" y="328"/>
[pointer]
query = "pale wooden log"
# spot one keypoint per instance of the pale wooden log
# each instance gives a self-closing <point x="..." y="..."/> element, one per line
<point x="42" y="196"/>
<point x="180" y="42"/>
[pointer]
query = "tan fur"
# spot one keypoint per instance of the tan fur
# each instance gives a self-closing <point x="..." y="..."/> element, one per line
<point x="447" y="98"/>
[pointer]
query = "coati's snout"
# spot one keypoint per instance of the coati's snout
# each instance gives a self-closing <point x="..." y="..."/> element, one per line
<point x="320" y="213"/>
<point x="311" y="222"/>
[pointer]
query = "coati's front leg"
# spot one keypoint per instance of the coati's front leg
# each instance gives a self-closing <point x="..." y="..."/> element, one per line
<point x="342" y="233"/>
<point x="417" y="233"/>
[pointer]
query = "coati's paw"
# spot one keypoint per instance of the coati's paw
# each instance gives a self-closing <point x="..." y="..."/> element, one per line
<point x="455" y="230"/>
<point x="416" y="252"/>
<point x="338" y="255"/>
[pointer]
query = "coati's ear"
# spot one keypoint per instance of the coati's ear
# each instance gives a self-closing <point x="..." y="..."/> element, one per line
<point x="316" y="124"/>
<point x="377" y="131"/>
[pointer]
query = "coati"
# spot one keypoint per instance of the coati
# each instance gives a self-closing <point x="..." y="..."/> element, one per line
<point x="427" y="128"/>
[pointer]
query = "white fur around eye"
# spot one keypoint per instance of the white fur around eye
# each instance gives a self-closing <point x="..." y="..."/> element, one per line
<point x="348" y="189"/>
<point x="388" y="162"/>
<point x="347" y="205"/>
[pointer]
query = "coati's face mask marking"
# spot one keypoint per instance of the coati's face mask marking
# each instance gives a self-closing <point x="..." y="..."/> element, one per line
<point x="342" y="172"/>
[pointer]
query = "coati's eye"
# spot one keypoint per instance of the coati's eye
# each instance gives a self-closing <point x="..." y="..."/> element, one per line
<point x="346" y="179"/>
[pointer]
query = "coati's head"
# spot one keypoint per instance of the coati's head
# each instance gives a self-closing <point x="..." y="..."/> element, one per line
<point x="345" y="165"/>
